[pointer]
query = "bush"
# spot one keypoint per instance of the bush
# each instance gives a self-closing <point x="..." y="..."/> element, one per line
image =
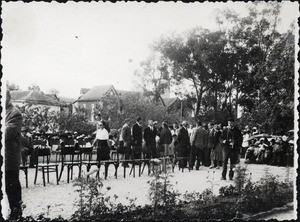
<point x="161" y="192"/>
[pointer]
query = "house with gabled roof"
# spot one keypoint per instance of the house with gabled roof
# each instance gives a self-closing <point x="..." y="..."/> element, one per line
<point x="35" y="98"/>
<point x="90" y="99"/>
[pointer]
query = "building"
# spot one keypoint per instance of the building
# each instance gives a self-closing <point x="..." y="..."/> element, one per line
<point x="90" y="99"/>
<point x="35" y="99"/>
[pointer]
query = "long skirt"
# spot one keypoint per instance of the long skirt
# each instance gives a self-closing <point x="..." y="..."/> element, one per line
<point x="218" y="152"/>
<point x="103" y="150"/>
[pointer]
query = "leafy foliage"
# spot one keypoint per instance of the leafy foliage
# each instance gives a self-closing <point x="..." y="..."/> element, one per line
<point x="246" y="63"/>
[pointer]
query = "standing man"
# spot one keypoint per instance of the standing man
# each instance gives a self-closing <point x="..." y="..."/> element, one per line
<point x="137" y="139"/>
<point x="198" y="142"/>
<point x="210" y="155"/>
<point x="13" y="122"/>
<point x="126" y="138"/>
<point x="149" y="137"/>
<point x="183" y="147"/>
<point x="166" y="139"/>
<point x="231" y="140"/>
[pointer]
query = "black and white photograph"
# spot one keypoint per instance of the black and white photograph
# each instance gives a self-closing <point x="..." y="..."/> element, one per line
<point x="149" y="110"/>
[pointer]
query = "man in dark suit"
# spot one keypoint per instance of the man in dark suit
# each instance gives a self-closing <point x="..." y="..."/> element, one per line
<point x="137" y="139"/>
<point x="149" y="137"/>
<point x="183" y="147"/>
<point x="232" y="142"/>
<point x="13" y="122"/>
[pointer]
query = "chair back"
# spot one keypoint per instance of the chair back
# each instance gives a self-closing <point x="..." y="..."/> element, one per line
<point x="69" y="142"/>
<point x="39" y="143"/>
<point x="86" y="153"/>
<point x="44" y="155"/>
<point x="67" y="153"/>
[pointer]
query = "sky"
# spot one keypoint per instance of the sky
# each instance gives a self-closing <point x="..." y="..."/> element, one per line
<point x="80" y="45"/>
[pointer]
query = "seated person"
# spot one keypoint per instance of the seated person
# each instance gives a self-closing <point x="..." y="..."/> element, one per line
<point x="251" y="153"/>
<point x="263" y="145"/>
<point x="26" y="146"/>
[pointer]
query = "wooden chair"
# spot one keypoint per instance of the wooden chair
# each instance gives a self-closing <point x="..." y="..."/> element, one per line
<point x="44" y="165"/>
<point x="67" y="160"/>
<point x="24" y="167"/>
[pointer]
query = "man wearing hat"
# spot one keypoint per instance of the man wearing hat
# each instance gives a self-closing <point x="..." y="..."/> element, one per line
<point x="26" y="145"/>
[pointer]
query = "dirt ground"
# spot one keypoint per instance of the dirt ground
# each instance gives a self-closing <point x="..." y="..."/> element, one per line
<point x="58" y="200"/>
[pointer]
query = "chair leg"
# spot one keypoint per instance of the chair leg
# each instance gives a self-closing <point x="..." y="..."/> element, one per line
<point x="116" y="170"/>
<point x="79" y="173"/>
<point x="36" y="173"/>
<point x="106" y="170"/>
<point x="26" y="177"/>
<point x="133" y="167"/>
<point x="61" y="170"/>
<point x="48" y="174"/>
<point x="68" y="173"/>
<point x="140" y="166"/>
<point x="56" y="169"/>
<point x="124" y="170"/>
<point x="71" y="172"/>
<point x="43" y="172"/>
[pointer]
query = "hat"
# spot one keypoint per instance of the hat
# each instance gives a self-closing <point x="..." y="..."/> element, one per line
<point x="261" y="139"/>
<point x="284" y="138"/>
<point x="155" y="122"/>
<point x="24" y="128"/>
<point x="255" y="128"/>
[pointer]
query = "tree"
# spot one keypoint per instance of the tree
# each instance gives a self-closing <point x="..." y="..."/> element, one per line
<point x="34" y="87"/>
<point x="39" y="118"/>
<point x="12" y="86"/>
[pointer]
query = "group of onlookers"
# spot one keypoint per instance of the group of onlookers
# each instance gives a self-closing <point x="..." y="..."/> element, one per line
<point x="278" y="151"/>
<point x="211" y="145"/>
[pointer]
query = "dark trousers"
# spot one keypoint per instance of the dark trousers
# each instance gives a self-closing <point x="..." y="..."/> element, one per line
<point x="13" y="191"/>
<point x="150" y="151"/>
<point x="103" y="150"/>
<point x="125" y="150"/>
<point x="206" y="157"/>
<point x="136" y="151"/>
<point x="196" y="154"/>
<point x="231" y="154"/>
<point x="185" y="154"/>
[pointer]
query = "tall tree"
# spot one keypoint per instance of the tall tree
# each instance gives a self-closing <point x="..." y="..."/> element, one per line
<point x="153" y="77"/>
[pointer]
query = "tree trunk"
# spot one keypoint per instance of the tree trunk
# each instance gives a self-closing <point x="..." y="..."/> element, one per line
<point x="199" y="100"/>
<point x="236" y="103"/>
<point x="216" y="105"/>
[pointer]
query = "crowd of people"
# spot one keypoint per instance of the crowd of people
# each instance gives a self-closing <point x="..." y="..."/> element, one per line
<point x="208" y="144"/>
<point x="266" y="149"/>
